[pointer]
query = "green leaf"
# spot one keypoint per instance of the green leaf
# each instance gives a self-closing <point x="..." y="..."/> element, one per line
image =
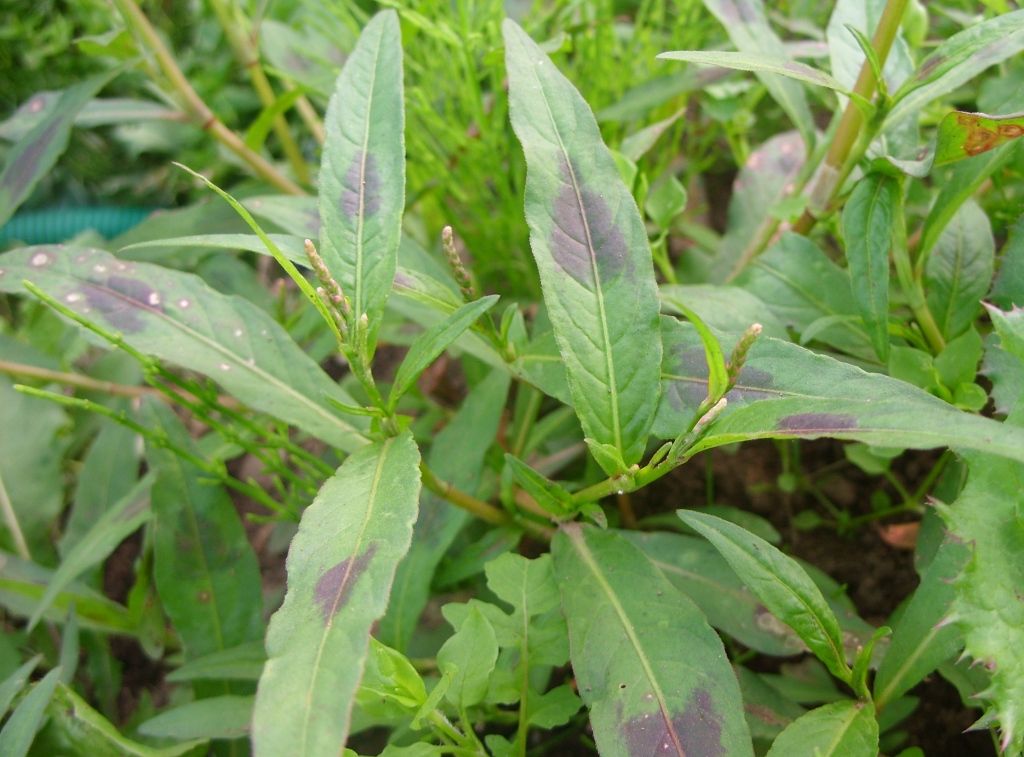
<point x="958" y="60"/>
<point x="868" y="219"/>
<point x="109" y="472"/>
<point x="765" y="179"/>
<point x="959" y="270"/>
<point x="340" y="567"/>
<point x="592" y="251"/>
<point x="99" y="111"/>
<point x="20" y="730"/>
<point x="30" y="461"/>
<point x="176" y="317"/>
<point x="225" y="717"/>
<point x="747" y="26"/>
<point x="15" y="682"/>
<point x="666" y="201"/>
<point x="257" y="133"/>
<point x="921" y="641"/>
<point x="76" y="728"/>
<point x="845" y="54"/>
<point x="390" y="686"/>
<point x="470" y="655"/>
<point x="799" y="284"/>
<point x="432" y="342"/>
<point x="778" y="581"/>
<point x="123" y="519"/>
<point x="718" y="371"/>
<point x="243" y="663"/>
<point x="204" y="568"/>
<point x="840" y="729"/>
<point x="636" y="145"/>
<point x="362" y="175"/>
<point x="1008" y="288"/>
<point x="38" y="150"/>
<point x="727" y="309"/>
<point x="759" y="63"/>
<point x="958" y="362"/>
<point x="787" y="391"/>
<point x="22" y="585"/>
<point x="767" y="710"/>
<point x="553" y="497"/>
<point x="696" y="569"/>
<point x="652" y="672"/>
<point x="456" y="456"/>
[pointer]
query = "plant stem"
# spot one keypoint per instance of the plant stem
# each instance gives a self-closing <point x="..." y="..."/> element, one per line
<point x="193" y="104"/>
<point x="11" y="521"/>
<point x="235" y="27"/>
<point x="74" y="379"/>
<point x="477" y="507"/>
<point x="831" y="178"/>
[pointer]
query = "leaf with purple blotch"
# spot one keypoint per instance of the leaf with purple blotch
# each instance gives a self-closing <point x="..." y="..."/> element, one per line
<point x="592" y="251"/>
<point x="176" y="317"/>
<point x="768" y="176"/>
<point x="787" y="391"/>
<point x="341" y="565"/>
<point x="35" y="154"/>
<point x="958" y="60"/>
<point x="652" y="671"/>
<point x="362" y="174"/>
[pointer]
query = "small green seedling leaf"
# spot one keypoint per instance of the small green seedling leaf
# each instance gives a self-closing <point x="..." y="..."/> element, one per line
<point x="781" y="584"/>
<point x="471" y="654"/>
<point x="718" y="371"/>
<point x="840" y="729"/>
<point x="666" y="202"/>
<point x="390" y="685"/>
<point x="432" y="342"/>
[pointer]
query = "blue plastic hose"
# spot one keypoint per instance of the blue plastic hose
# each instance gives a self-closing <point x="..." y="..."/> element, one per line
<point x="54" y="225"/>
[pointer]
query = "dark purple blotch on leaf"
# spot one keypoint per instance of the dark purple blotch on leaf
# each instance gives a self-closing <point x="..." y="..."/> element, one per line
<point x="336" y="584"/>
<point x="21" y="173"/>
<point x="816" y="422"/>
<point x="361" y="182"/>
<point x="697" y="730"/>
<point x="585" y="234"/>
<point x="121" y="300"/>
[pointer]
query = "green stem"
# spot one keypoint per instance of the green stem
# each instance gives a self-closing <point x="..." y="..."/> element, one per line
<point x="235" y="26"/>
<point x="193" y="104"/>
<point x="830" y="179"/>
<point x="911" y="286"/>
<point x="11" y="521"/>
<point x="533" y="404"/>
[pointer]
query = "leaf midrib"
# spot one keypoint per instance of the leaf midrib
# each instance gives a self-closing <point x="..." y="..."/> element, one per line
<point x="598" y="289"/>
<point x="579" y="542"/>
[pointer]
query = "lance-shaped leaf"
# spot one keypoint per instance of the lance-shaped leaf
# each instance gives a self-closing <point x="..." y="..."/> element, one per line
<point x="867" y="229"/>
<point x="1008" y="287"/>
<point x="959" y="270"/>
<point x="76" y="728"/>
<point x="362" y="176"/>
<point x="921" y="641"/>
<point x="787" y="391"/>
<point x="435" y="340"/>
<point x="457" y="457"/>
<point x="769" y="64"/>
<point x="846" y="56"/>
<point x="340" y="567"/>
<point x="15" y="682"/>
<point x="778" y="581"/>
<point x="176" y="317"/>
<point x="36" y="152"/>
<point x="958" y="60"/>
<point x="840" y="729"/>
<point x="224" y="717"/>
<point x="19" y="731"/>
<point x="125" y="517"/>
<point x="647" y="664"/>
<point x="205" y="570"/>
<point x="964" y="135"/>
<point x="592" y="252"/>
<point x="747" y="25"/>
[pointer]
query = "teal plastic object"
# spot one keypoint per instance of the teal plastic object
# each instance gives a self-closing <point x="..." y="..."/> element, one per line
<point x="54" y="225"/>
